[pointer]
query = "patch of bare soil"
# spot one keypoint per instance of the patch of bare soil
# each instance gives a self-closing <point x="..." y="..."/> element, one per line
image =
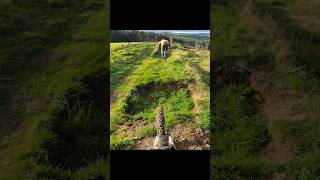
<point x="9" y="120"/>
<point x="189" y="136"/>
<point x="144" y="144"/>
<point x="277" y="105"/>
<point x="196" y="97"/>
<point x="186" y="136"/>
<point x="130" y="129"/>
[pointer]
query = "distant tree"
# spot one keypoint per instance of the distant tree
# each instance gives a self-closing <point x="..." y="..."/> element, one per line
<point x="132" y="35"/>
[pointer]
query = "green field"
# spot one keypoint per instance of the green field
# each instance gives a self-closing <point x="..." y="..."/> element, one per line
<point x="53" y="63"/>
<point x="265" y="121"/>
<point x="140" y="81"/>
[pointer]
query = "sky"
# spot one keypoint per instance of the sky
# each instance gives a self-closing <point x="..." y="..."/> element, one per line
<point x="179" y="31"/>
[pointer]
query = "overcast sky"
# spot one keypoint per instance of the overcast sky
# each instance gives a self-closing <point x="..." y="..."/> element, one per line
<point x="179" y="31"/>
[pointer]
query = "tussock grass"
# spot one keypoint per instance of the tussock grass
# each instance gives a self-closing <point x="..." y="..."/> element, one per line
<point x="275" y="33"/>
<point x="239" y="133"/>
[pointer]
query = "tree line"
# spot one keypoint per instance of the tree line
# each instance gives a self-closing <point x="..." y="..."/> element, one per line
<point x="134" y="36"/>
<point x="141" y="36"/>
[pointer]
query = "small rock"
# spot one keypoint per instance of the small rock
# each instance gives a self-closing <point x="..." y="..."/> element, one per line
<point x="136" y="138"/>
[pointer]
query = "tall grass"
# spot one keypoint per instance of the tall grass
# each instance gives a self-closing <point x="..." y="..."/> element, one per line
<point x="287" y="49"/>
<point x="281" y="47"/>
<point x="45" y="145"/>
<point x="239" y="134"/>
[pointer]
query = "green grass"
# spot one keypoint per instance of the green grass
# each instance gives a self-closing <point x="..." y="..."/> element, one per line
<point x="30" y="28"/>
<point x="306" y="133"/>
<point x="142" y="81"/>
<point x="151" y="70"/>
<point x="294" y="21"/>
<point x="231" y="38"/>
<point x="280" y="35"/>
<point x="177" y="106"/>
<point x="239" y="133"/>
<point x="114" y="46"/>
<point x="126" y="62"/>
<point x="63" y="129"/>
<point x="147" y="131"/>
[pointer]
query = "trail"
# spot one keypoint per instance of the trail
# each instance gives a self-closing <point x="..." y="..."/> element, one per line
<point x="277" y="106"/>
<point x="196" y="97"/>
<point x="195" y="93"/>
<point x="114" y="94"/>
<point x="187" y="135"/>
<point x="191" y="136"/>
<point x="24" y="104"/>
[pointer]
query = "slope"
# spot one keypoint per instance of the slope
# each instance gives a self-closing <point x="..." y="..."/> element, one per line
<point x="258" y="58"/>
<point x="142" y="81"/>
<point x="60" y="129"/>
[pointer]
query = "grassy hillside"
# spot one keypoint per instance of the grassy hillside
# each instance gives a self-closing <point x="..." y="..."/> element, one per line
<point x="141" y="81"/>
<point x="53" y="71"/>
<point x="189" y="37"/>
<point x="265" y="121"/>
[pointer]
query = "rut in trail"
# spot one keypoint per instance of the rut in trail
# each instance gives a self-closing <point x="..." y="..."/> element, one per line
<point x="277" y="106"/>
<point x="195" y="92"/>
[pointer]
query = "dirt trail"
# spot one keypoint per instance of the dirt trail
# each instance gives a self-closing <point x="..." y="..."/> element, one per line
<point x="196" y="97"/>
<point x="196" y="94"/>
<point x="186" y="136"/>
<point x="190" y="136"/>
<point x="19" y="100"/>
<point x="277" y="105"/>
